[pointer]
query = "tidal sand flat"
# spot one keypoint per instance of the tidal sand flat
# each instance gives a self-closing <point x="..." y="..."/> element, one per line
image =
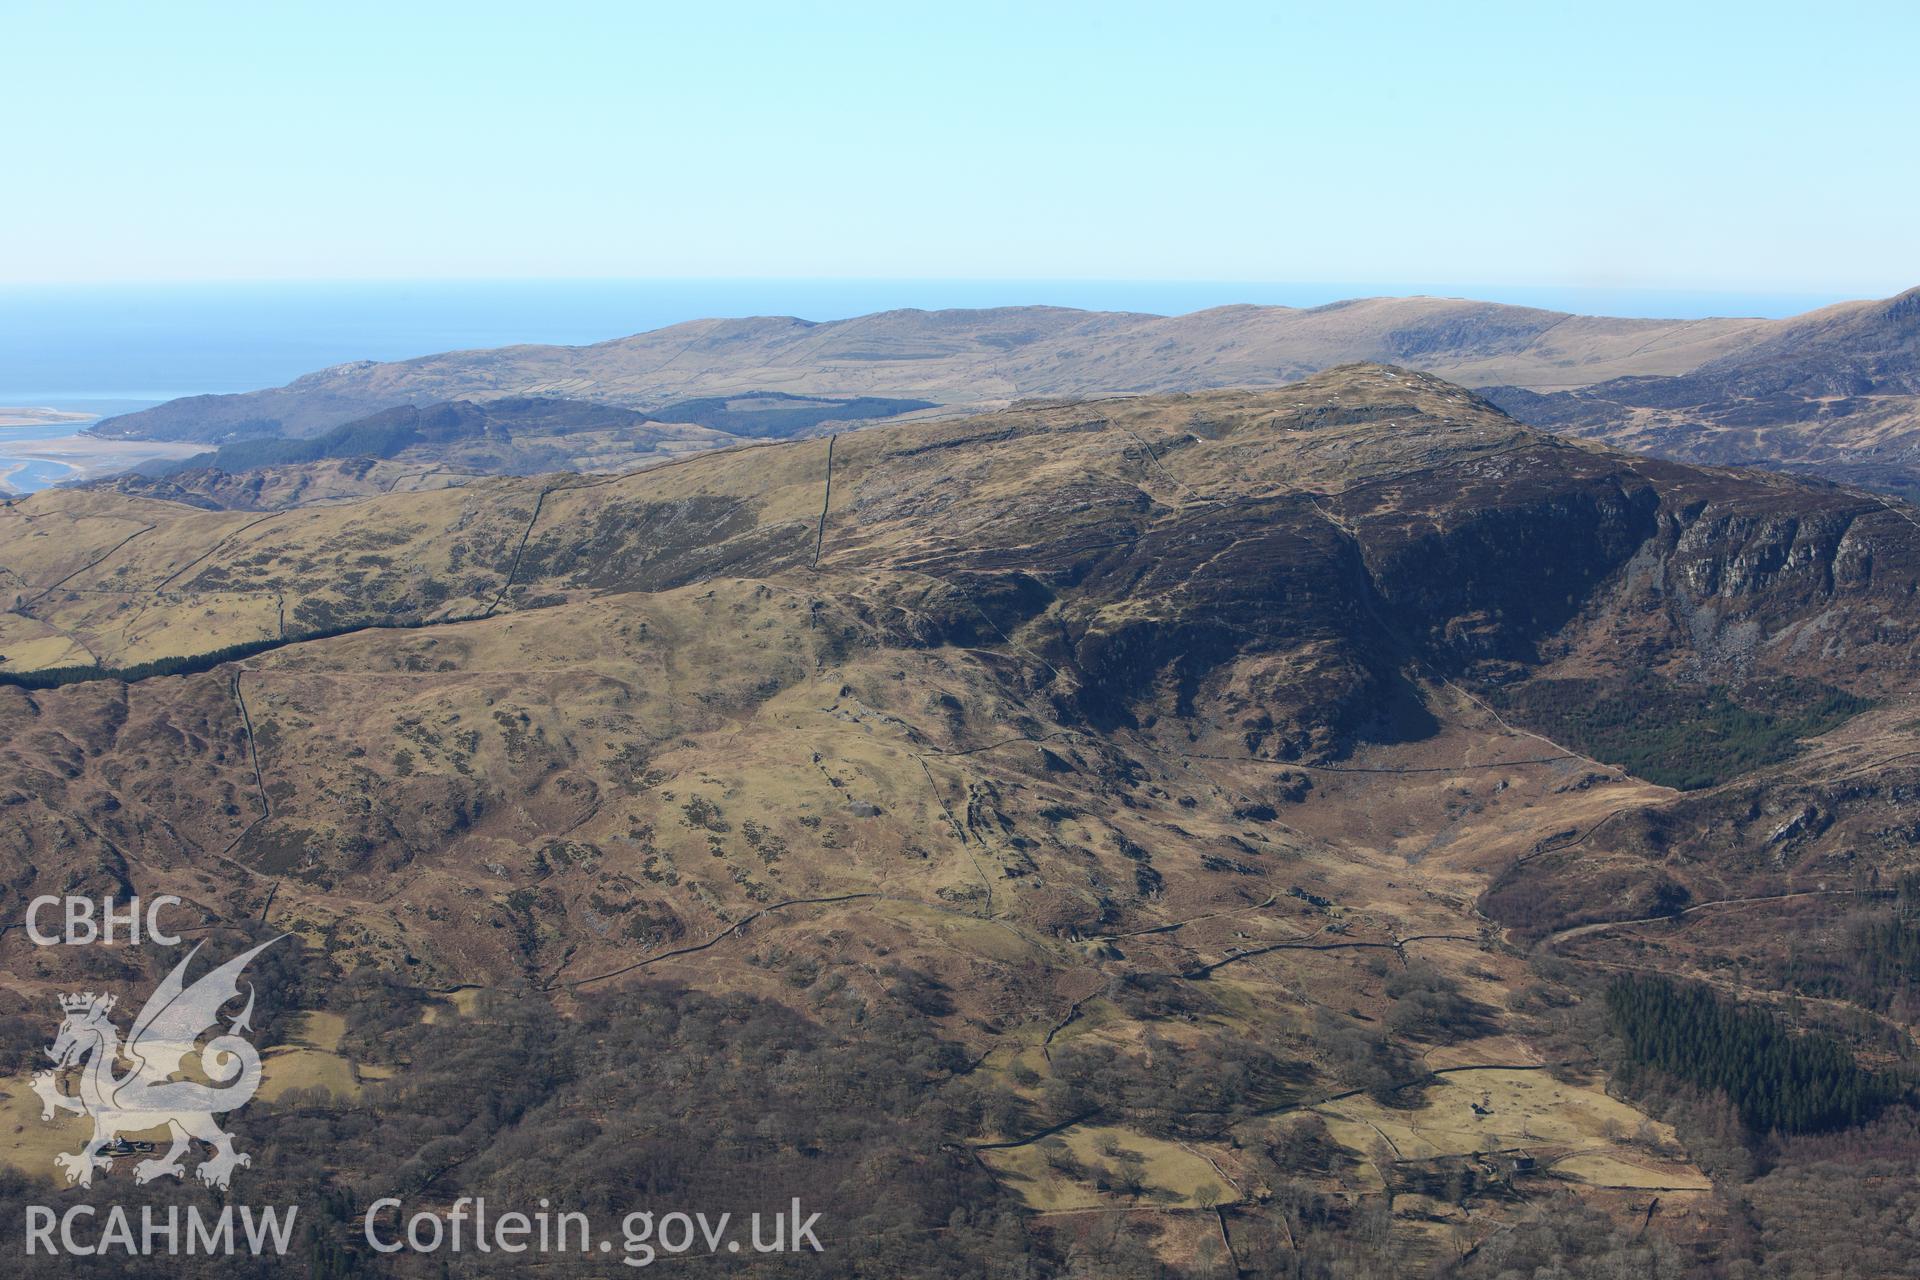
<point x="40" y="447"/>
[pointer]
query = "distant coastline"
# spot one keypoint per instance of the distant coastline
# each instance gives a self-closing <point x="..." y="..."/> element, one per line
<point x="29" y="416"/>
<point x="160" y="342"/>
<point x="42" y="446"/>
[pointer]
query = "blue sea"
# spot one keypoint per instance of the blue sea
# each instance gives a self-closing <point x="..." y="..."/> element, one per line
<point x="106" y="349"/>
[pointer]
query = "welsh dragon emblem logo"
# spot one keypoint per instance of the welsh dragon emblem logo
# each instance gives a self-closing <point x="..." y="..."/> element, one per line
<point x="146" y="1095"/>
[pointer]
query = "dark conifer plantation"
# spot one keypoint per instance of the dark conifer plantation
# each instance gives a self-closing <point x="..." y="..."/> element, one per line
<point x="1779" y="1082"/>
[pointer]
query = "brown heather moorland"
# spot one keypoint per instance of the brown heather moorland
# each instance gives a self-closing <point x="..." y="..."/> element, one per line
<point x="1179" y="832"/>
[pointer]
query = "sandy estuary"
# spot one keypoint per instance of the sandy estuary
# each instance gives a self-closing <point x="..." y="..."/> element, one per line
<point x="42" y="447"/>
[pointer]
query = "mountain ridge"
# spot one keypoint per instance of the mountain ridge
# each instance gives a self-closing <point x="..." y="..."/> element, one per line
<point x="975" y="359"/>
<point x="1835" y="392"/>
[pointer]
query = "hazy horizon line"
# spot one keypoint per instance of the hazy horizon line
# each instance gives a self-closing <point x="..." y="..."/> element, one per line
<point x="1431" y="287"/>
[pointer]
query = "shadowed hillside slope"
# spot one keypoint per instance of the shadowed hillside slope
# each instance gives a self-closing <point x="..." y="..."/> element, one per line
<point x="1178" y="807"/>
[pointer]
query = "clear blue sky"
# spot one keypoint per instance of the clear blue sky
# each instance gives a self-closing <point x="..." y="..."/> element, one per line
<point x="1680" y="145"/>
